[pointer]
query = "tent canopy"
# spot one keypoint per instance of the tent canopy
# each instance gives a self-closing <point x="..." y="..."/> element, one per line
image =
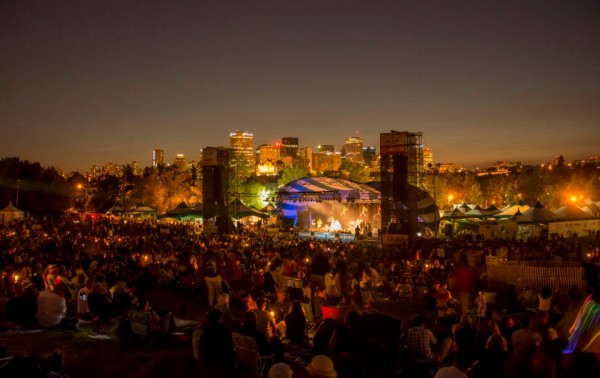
<point x="572" y="212"/>
<point x="518" y="217"/>
<point x="512" y="211"/>
<point x="455" y="214"/>
<point x="539" y="213"/>
<point x="10" y="213"/>
<point x="311" y="189"/>
<point x="238" y="210"/>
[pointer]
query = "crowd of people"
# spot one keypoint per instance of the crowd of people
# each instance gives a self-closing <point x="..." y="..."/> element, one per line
<point x="302" y="302"/>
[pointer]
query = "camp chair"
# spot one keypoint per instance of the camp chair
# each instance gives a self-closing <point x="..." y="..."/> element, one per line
<point x="331" y="312"/>
<point x="308" y="312"/>
<point x="141" y="325"/>
<point x="246" y="352"/>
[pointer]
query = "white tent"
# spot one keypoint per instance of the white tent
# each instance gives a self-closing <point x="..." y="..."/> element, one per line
<point x="512" y="211"/>
<point x="9" y="213"/>
<point x="572" y="212"/>
<point x="539" y="213"/>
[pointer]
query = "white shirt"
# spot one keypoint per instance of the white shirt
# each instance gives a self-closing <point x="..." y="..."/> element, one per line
<point x="450" y="372"/>
<point x="51" y="309"/>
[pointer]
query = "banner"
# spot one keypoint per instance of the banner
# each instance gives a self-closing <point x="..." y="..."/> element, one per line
<point x="304" y="235"/>
<point x="570" y="228"/>
<point x="394" y="239"/>
<point x="347" y="238"/>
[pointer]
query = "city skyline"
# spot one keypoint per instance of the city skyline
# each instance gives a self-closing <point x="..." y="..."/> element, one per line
<point x="86" y="84"/>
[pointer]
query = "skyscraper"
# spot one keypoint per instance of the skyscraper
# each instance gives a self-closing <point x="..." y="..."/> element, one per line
<point x="179" y="161"/>
<point x="243" y="144"/>
<point x="267" y="152"/>
<point x="326" y="148"/>
<point x="369" y="154"/>
<point x="352" y="150"/>
<point x="289" y="146"/>
<point x="158" y="157"/>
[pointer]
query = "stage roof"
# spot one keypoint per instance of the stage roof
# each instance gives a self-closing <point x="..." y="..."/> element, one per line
<point x="317" y="189"/>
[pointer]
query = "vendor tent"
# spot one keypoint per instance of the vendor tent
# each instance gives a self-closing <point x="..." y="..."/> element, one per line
<point x="115" y="210"/>
<point x="464" y="208"/>
<point x="539" y="213"/>
<point x="592" y="208"/>
<point x="238" y="210"/>
<point x="454" y="214"/>
<point x="144" y="211"/>
<point x="572" y="212"/>
<point x="491" y="211"/>
<point x="509" y="212"/>
<point x="476" y="212"/>
<point x="518" y="217"/>
<point x="10" y="213"/>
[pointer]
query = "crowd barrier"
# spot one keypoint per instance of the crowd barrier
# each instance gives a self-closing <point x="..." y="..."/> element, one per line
<point x="521" y="275"/>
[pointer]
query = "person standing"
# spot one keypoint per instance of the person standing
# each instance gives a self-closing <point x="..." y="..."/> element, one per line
<point x="214" y="282"/>
<point x="464" y="279"/>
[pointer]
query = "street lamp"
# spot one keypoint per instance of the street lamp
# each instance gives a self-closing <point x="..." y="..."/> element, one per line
<point x="79" y="187"/>
<point x="450" y="198"/>
<point x="17" y="199"/>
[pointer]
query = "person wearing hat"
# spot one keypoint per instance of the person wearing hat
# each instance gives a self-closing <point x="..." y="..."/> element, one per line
<point x="280" y="370"/>
<point x="321" y="366"/>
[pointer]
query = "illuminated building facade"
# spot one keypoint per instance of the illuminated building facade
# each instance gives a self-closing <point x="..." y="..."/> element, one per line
<point x="242" y="143"/>
<point x="352" y="150"/>
<point x="158" y="157"/>
<point x="305" y="157"/>
<point x="179" y="161"/>
<point x="328" y="161"/>
<point x="267" y="152"/>
<point x="326" y="148"/>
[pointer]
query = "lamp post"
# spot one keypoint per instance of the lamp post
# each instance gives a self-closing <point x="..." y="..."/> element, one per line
<point x="450" y="198"/>
<point x="17" y="199"/>
<point x="85" y="198"/>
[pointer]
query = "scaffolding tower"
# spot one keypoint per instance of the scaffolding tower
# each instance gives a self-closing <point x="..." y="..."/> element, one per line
<point x="401" y="178"/>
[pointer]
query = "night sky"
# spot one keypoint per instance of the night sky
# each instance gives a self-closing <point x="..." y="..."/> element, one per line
<point x="89" y="82"/>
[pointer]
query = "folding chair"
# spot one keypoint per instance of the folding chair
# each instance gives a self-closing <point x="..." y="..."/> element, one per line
<point x="246" y="352"/>
<point x="141" y="325"/>
<point x="308" y="312"/>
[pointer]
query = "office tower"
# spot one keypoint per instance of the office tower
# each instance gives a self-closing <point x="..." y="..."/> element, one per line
<point x="268" y="153"/>
<point x="326" y="148"/>
<point x="289" y="147"/>
<point x="243" y="144"/>
<point x="352" y="150"/>
<point x="305" y="157"/>
<point x="158" y="157"/>
<point x="369" y="154"/>
<point x="328" y="161"/>
<point x="179" y="161"/>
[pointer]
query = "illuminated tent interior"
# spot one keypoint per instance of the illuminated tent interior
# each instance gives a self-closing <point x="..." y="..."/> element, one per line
<point x="329" y="204"/>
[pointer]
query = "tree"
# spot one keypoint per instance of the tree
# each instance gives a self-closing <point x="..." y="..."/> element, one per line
<point x="290" y="174"/>
<point x="251" y="194"/>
